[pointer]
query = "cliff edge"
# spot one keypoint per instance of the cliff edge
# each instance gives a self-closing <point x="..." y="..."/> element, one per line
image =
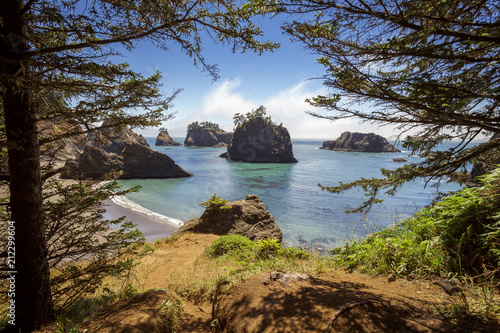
<point x="248" y="218"/>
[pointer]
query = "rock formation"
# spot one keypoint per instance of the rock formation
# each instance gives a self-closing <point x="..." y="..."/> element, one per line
<point x="360" y="142"/>
<point x="144" y="162"/>
<point x="135" y="161"/>
<point x="164" y="139"/>
<point x="202" y="137"/>
<point x="64" y="148"/>
<point x="93" y="163"/>
<point x="248" y="217"/>
<point x="261" y="142"/>
<point x="110" y="152"/>
<point x="114" y="140"/>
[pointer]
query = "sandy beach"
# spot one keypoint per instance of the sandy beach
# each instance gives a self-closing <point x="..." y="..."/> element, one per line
<point x="153" y="228"/>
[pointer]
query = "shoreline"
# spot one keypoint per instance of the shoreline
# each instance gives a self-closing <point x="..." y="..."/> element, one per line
<point x="151" y="227"/>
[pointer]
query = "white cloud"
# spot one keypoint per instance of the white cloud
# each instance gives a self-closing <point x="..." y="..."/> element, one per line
<point x="288" y="106"/>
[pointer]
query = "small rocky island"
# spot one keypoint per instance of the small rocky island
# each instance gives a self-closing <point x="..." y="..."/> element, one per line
<point x="122" y="153"/>
<point x="258" y="140"/>
<point x="206" y="134"/>
<point x="360" y="142"/>
<point x="164" y="139"/>
<point x="248" y="217"/>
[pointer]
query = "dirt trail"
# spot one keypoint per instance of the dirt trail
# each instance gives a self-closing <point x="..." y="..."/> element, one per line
<point x="281" y="302"/>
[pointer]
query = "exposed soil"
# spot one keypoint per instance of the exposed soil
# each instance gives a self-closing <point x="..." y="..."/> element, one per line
<point x="282" y="302"/>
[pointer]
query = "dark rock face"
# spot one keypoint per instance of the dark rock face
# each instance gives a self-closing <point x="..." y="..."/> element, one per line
<point x="164" y="139"/>
<point x="136" y="161"/>
<point x="144" y="162"/>
<point x="261" y="143"/>
<point x="360" y="142"/>
<point x="248" y="217"/>
<point x="108" y="152"/>
<point x="207" y="138"/>
<point x="93" y="163"/>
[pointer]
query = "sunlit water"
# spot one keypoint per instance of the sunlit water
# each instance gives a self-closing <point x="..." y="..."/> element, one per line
<point x="305" y="214"/>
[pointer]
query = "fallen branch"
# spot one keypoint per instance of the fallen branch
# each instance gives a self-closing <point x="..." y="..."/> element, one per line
<point x="343" y="310"/>
<point x="450" y="289"/>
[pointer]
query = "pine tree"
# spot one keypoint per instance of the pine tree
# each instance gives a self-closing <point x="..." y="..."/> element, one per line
<point x="430" y="68"/>
<point x="55" y="64"/>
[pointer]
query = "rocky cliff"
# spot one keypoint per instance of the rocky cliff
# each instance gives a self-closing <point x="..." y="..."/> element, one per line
<point x="114" y="140"/>
<point x="248" y="217"/>
<point x="261" y="142"/>
<point x="360" y="142"/>
<point x="164" y="139"/>
<point x="122" y="153"/>
<point x="64" y="148"/>
<point x="202" y="137"/>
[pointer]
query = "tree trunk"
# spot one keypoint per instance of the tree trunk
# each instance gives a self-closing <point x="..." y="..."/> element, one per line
<point x="33" y="302"/>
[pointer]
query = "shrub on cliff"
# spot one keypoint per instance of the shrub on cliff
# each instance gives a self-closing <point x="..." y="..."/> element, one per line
<point x="204" y="125"/>
<point x="459" y="235"/>
<point x="253" y="117"/>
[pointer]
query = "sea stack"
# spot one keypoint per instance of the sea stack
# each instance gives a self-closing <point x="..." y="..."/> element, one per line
<point x="258" y="140"/>
<point x="360" y="142"/>
<point x="206" y="134"/>
<point x="164" y="139"/>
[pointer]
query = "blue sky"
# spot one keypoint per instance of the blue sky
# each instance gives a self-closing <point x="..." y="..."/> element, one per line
<point x="279" y="80"/>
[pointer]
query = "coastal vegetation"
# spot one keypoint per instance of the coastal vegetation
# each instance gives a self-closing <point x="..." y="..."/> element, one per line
<point x="457" y="236"/>
<point x="428" y="68"/>
<point x="57" y="61"/>
<point x="203" y="126"/>
<point x="257" y="116"/>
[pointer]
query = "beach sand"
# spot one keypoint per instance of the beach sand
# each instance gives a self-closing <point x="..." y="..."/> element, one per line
<point x="152" y="227"/>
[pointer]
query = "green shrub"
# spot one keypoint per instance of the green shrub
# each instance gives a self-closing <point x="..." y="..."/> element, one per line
<point x="460" y="234"/>
<point x="268" y="248"/>
<point x="236" y="246"/>
<point x="293" y="253"/>
<point x="214" y="200"/>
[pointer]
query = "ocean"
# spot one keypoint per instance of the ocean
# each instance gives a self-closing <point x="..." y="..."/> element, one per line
<point x="306" y="215"/>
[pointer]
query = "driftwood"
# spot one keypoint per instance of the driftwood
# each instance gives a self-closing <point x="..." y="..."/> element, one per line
<point x="343" y="310"/>
<point x="448" y="288"/>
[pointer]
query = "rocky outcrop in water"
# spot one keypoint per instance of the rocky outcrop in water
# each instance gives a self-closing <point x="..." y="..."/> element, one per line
<point x="248" y="217"/>
<point x="135" y="161"/>
<point x="202" y="137"/>
<point x="261" y="142"/>
<point x="144" y="162"/>
<point x="164" y="139"/>
<point x="109" y="153"/>
<point x="360" y="142"/>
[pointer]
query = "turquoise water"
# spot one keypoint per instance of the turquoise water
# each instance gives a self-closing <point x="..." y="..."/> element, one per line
<point x="305" y="214"/>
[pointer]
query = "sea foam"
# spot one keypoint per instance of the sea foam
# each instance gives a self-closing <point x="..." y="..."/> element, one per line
<point x="129" y="204"/>
<point x="122" y="201"/>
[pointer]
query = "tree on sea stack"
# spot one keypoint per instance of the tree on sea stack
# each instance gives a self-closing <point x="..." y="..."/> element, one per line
<point x="429" y="67"/>
<point x="56" y="64"/>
